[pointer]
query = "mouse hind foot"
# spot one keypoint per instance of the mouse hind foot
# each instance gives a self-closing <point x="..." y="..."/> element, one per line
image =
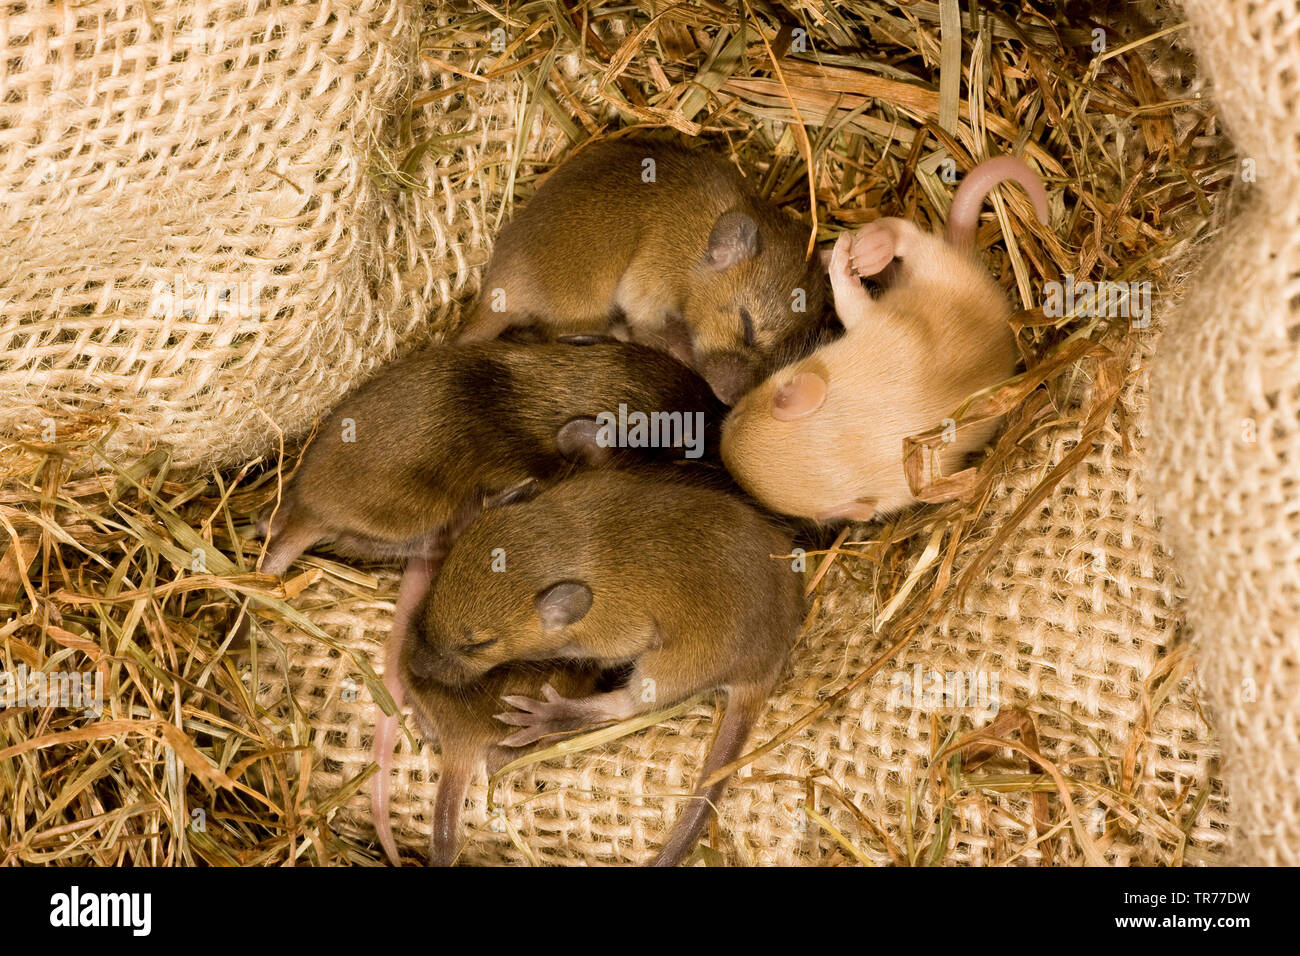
<point x="557" y="714"/>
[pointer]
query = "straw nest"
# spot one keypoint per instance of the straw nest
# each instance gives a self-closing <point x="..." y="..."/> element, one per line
<point x="127" y="569"/>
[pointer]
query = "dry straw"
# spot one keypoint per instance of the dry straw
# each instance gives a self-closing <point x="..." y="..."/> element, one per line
<point x="1040" y="569"/>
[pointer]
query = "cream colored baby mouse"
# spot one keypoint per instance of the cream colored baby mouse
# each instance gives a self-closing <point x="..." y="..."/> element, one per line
<point x="823" y="437"/>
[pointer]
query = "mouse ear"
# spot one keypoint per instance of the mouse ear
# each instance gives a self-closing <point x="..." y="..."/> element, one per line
<point x="801" y="396"/>
<point x="577" y="440"/>
<point x="733" y="240"/>
<point x="563" y="604"/>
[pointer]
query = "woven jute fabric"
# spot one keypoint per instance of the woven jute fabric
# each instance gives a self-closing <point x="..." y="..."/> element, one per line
<point x="1225" y="429"/>
<point x="338" y="216"/>
<point x="1076" y="622"/>
<point x="206" y="238"/>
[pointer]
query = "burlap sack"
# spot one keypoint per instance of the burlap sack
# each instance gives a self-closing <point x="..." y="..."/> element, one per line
<point x="1076" y="622"/>
<point x="205" y="237"/>
<point x="367" y="214"/>
<point x="1225" y="425"/>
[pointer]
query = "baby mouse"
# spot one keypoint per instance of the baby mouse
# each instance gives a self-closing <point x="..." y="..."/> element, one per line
<point x="431" y="437"/>
<point x="681" y="581"/>
<point x="460" y="719"/>
<point x="823" y="437"/>
<point x="674" y="243"/>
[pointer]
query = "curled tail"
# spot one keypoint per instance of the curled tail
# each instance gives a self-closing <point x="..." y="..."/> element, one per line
<point x="964" y="215"/>
<point x="385" y="738"/>
<point x="382" y="753"/>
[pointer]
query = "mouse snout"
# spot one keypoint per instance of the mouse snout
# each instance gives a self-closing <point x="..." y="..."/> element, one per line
<point x="440" y="665"/>
<point x="729" y="374"/>
<point x="427" y="661"/>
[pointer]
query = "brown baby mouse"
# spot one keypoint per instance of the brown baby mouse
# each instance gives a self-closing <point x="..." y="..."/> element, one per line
<point x="460" y="719"/>
<point x="672" y="242"/>
<point x="823" y="437"/>
<point x="681" y="581"/>
<point x="434" y="436"/>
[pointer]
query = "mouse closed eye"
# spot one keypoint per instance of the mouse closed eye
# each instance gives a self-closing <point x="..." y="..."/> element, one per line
<point x="451" y="658"/>
<point x="747" y="327"/>
<point x="692" y="240"/>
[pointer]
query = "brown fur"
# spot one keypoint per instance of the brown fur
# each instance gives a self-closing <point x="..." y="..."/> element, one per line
<point x="681" y="583"/>
<point x="597" y="244"/>
<point x="462" y="720"/>
<point x="449" y="427"/>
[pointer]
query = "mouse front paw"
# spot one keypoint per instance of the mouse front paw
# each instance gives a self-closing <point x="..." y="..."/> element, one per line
<point x="871" y="249"/>
<point x="539" y="718"/>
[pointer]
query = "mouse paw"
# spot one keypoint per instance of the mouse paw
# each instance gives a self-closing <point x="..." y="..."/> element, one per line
<point x="539" y="718"/>
<point x="871" y="249"/>
<point x="844" y="283"/>
<point x="853" y="302"/>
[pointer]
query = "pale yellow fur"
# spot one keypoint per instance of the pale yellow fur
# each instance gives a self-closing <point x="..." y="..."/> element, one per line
<point x="907" y="361"/>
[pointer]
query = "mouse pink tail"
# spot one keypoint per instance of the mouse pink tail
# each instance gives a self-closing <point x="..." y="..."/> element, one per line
<point x="385" y="741"/>
<point x="964" y="215"/>
<point x="380" y="786"/>
<point x="744" y="706"/>
<point x="416" y="578"/>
